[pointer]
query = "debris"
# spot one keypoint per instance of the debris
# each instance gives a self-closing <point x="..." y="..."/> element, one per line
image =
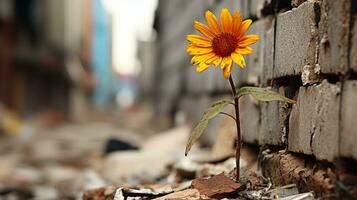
<point x="303" y="196"/>
<point x="123" y="193"/>
<point x="283" y="167"/>
<point x="92" y="180"/>
<point x="157" y="153"/>
<point x="284" y="191"/>
<point x="45" y="192"/>
<point x="217" y="186"/>
<point x="114" y="144"/>
<point x="100" y="193"/>
<point x="207" y="170"/>
<point x="16" y="193"/>
<point x="191" y="194"/>
<point x="310" y="74"/>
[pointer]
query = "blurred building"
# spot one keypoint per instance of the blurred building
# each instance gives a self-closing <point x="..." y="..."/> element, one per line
<point x="45" y="56"/>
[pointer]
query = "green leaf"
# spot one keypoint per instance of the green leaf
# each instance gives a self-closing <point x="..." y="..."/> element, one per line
<point x="263" y="94"/>
<point x="210" y="113"/>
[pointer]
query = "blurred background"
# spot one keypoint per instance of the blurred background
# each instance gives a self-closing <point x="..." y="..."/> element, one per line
<point x="75" y="75"/>
<point x="72" y="57"/>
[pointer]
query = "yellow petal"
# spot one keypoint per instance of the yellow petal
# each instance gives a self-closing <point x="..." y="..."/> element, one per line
<point x="244" y="50"/>
<point x="203" y="29"/>
<point x="210" y="60"/>
<point x="212" y="22"/>
<point x="217" y="62"/>
<point x="226" y="20"/>
<point x="248" y="40"/>
<point x="239" y="59"/>
<point x="226" y="61"/>
<point x="244" y="27"/>
<point x="201" y="67"/>
<point x="201" y="58"/>
<point x="194" y="50"/>
<point x="237" y="21"/>
<point x="227" y="70"/>
<point x="199" y="40"/>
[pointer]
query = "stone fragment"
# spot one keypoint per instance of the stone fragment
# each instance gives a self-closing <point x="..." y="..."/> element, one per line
<point x="314" y="121"/>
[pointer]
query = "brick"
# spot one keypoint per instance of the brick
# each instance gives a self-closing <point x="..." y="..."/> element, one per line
<point x="270" y="132"/>
<point x="250" y="119"/>
<point x="334" y="36"/>
<point x="348" y="147"/>
<point x="353" y="53"/>
<point x="273" y="119"/>
<point x="249" y="8"/>
<point x="268" y="56"/>
<point x="252" y="74"/>
<point x="296" y="38"/>
<point x="314" y="121"/>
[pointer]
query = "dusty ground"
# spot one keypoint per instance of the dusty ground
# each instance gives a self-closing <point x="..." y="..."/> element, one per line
<point x="59" y="160"/>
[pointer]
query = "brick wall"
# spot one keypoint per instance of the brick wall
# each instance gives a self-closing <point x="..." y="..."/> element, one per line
<point x="307" y="51"/>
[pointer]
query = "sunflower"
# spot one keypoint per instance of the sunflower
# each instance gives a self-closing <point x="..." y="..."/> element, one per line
<point x="222" y="43"/>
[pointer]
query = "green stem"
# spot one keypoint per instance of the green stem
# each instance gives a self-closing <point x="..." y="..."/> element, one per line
<point x="238" y="140"/>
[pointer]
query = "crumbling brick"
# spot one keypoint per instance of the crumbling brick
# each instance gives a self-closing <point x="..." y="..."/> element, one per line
<point x="314" y="121"/>
<point x="296" y="38"/>
<point x="334" y="35"/>
<point x="285" y="168"/>
<point x="348" y="147"/>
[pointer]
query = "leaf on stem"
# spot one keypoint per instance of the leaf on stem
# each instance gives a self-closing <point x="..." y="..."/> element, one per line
<point x="210" y="113"/>
<point x="262" y="94"/>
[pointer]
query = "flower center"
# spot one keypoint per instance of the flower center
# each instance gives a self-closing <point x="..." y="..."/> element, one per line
<point x="224" y="44"/>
